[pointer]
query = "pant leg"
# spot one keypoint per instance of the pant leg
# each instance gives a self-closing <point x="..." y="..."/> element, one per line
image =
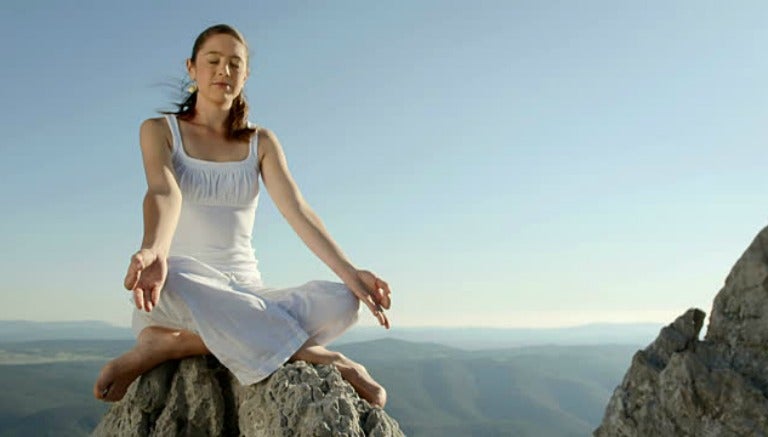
<point x="252" y="336"/>
<point x="323" y="309"/>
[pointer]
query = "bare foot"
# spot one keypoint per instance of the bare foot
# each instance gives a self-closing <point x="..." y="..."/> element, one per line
<point x="362" y="382"/>
<point x="152" y="348"/>
<point x="117" y="375"/>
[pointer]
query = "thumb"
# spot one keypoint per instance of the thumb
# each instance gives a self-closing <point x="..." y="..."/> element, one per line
<point x="137" y="264"/>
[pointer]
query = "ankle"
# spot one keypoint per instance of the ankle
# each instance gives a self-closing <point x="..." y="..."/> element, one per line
<point x="340" y="360"/>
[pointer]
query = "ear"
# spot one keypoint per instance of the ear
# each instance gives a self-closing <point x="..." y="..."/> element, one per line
<point x="191" y="69"/>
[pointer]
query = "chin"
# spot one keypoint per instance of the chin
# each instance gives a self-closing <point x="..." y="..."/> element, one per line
<point x="220" y="98"/>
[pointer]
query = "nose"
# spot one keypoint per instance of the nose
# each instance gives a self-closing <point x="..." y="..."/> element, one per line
<point x="224" y="69"/>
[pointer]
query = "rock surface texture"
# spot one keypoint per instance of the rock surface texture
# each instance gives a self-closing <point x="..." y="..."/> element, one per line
<point x="683" y="386"/>
<point x="199" y="397"/>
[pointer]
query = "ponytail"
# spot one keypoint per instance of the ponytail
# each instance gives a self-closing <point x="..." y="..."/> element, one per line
<point x="237" y="122"/>
<point x="237" y="127"/>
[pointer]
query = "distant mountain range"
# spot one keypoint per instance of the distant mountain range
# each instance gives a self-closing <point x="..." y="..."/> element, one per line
<point x="440" y="381"/>
<point x="24" y="330"/>
<point x="476" y="338"/>
<point x="433" y="389"/>
<point x="436" y="390"/>
<point x="470" y="338"/>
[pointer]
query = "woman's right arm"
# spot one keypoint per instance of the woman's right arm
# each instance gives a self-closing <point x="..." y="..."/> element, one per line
<point x="162" y="202"/>
<point x="162" y="205"/>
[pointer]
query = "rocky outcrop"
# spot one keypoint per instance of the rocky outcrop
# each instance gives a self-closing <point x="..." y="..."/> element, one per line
<point x="199" y="397"/>
<point x="683" y="386"/>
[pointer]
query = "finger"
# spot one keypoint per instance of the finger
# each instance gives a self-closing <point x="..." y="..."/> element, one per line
<point x="131" y="278"/>
<point x="380" y="297"/>
<point x="385" y="286"/>
<point x="386" y="300"/>
<point x="155" y="295"/>
<point x="138" y="297"/>
<point x="383" y="320"/>
<point x="374" y="307"/>
<point x="380" y="316"/>
<point x="148" y="300"/>
<point x="134" y="269"/>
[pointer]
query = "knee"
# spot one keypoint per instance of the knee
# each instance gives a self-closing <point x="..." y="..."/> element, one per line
<point x="150" y="334"/>
<point x="348" y="299"/>
<point x="341" y="296"/>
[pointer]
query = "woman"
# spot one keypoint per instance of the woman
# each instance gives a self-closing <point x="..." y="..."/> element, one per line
<point x="195" y="280"/>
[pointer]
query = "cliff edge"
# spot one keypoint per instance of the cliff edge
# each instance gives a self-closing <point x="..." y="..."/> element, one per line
<point x="683" y="386"/>
<point x="198" y="396"/>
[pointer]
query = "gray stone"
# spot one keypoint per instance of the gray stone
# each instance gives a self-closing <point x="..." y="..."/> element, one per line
<point x="200" y="397"/>
<point x="683" y="386"/>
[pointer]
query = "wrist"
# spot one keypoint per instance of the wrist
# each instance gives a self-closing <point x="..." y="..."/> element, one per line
<point x="346" y="272"/>
<point x="161" y="251"/>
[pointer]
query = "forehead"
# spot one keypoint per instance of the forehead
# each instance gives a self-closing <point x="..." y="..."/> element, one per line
<point x="224" y="44"/>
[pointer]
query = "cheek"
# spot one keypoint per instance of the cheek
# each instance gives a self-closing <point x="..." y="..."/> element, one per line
<point x="201" y="71"/>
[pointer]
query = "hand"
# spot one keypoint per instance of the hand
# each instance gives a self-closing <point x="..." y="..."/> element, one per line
<point x="374" y="292"/>
<point x="145" y="278"/>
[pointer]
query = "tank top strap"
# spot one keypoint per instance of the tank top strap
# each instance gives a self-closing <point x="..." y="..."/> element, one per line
<point x="254" y="141"/>
<point x="173" y="124"/>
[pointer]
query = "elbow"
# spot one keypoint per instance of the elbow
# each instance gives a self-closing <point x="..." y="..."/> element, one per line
<point x="168" y="192"/>
<point x="170" y="196"/>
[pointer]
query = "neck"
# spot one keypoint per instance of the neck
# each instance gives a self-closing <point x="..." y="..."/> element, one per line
<point x="211" y="115"/>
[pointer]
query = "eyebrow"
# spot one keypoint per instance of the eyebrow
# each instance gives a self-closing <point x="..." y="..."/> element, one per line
<point x="214" y="52"/>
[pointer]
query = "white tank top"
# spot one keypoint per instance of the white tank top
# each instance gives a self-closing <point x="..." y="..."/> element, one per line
<point x="218" y="208"/>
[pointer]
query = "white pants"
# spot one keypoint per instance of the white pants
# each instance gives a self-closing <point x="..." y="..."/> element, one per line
<point x="251" y="329"/>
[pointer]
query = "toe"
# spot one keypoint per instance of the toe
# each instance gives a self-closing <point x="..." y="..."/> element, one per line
<point x="104" y="393"/>
<point x="379" y="398"/>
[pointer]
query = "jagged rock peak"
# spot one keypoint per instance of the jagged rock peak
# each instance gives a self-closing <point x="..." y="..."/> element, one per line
<point x="200" y="397"/>
<point x="682" y="386"/>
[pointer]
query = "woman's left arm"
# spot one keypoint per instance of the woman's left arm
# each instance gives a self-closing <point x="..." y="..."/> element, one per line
<point x="370" y="289"/>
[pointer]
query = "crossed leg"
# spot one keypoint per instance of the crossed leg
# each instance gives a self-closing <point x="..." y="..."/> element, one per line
<point x="157" y="344"/>
<point x="353" y="372"/>
<point x="154" y="346"/>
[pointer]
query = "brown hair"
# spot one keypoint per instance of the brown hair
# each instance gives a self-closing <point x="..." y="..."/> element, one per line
<point x="237" y="121"/>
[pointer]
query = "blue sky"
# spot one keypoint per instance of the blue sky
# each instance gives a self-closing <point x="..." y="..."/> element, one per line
<point x="505" y="163"/>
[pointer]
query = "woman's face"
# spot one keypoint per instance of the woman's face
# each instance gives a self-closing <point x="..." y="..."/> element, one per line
<point x="220" y="68"/>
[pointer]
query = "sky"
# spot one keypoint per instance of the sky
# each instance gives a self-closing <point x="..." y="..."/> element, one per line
<point x="498" y="163"/>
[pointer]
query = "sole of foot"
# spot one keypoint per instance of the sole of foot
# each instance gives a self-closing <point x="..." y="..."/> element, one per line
<point x="363" y="383"/>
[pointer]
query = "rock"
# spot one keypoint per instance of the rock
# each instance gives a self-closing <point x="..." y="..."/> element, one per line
<point x="200" y="397"/>
<point x="682" y="386"/>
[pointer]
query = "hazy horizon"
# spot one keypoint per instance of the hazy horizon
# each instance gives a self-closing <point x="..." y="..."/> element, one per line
<point x="115" y="324"/>
<point x="14" y="332"/>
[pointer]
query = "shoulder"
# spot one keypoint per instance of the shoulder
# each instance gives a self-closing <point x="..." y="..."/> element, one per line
<point x="155" y="130"/>
<point x="267" y="143"/>
<point x="154" y="124"/>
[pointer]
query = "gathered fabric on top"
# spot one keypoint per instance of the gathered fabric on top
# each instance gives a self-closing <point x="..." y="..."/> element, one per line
<point x="229" y="183"/>
<point x="201" y="185"/>
<point x="218" y="208"/>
